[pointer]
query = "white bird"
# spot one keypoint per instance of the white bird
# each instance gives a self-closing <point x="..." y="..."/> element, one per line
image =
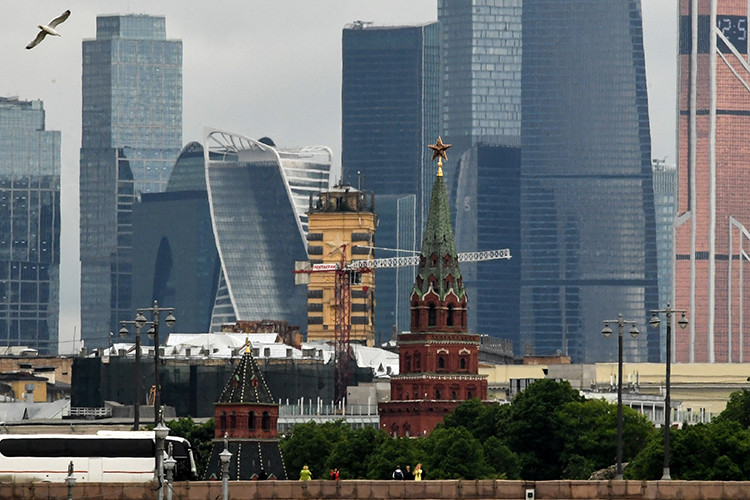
<point x="49" y="29"/>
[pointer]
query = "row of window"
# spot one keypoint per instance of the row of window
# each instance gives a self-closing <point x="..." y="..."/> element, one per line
<point x="265" y="421"/>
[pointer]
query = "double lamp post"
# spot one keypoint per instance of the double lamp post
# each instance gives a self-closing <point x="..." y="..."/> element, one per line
<point x="654" y="322"/>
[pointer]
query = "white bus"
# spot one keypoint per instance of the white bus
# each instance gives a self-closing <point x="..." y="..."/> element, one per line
<point x="109" y="457"/>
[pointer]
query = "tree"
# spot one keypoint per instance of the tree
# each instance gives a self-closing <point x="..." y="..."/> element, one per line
<point x="454" y="454"/>
<point x="737" y="409"/>
<point x="351" y="453"/>
<point x="392" y="452"/>
<point x="311" y="444"/>
<point x="498" y="456"/>
<point x="200" y="436"/>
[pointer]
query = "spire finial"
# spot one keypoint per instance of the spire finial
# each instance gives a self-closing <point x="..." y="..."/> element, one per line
<point x="440" y="168"/>
<point x="247" y="345"/>
<point x="438" y="151"/>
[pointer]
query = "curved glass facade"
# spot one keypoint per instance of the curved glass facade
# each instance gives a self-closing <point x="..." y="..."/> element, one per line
<point x="587" y="219"/>
<point x="258" y="195"/>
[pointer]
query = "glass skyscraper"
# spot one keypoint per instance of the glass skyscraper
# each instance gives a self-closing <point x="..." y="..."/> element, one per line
<point x="665" y="198"/>
<point x="132" y="133"/>
<point x="587" y="200"/>
<point x="29" y="227"/>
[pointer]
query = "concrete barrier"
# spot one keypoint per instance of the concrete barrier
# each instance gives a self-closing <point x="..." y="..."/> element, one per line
<point x="393" y="490"/>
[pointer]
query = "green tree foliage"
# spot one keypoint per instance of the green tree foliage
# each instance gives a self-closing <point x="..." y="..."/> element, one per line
<point x="392" y="452"/>
<point x="311" y="444"/>
<point x="351" y="453"/>
<point x="200" y="436"/>
<point x="498" y="456"/>
<point x="454" y="454"/>
<point x="737" y="410"/>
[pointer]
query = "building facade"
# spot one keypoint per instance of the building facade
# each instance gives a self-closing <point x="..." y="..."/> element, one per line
<point x="665" y="196"/>
<point x="258" y="197"/>
<point x="713" y="214"/>
<point x="29" y="227"/>
<point x="132" y="133"/>
<point x="588" y="238"/>
<point x="438" y="359"/>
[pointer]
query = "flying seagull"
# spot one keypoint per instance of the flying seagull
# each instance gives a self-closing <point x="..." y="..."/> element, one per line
<point x="48" y="30"/>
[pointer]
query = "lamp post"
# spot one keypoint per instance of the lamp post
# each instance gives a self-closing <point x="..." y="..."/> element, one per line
<point x="225" y="456"/>
<point x="169" y="465"/>
<point x="654" y="322"/>
<point x="124" y="332"/>
<point x="606" y="332"/>
<point x="70" y="480"/>
<point x="161" y="431"/>
<point x="140" y="321"/>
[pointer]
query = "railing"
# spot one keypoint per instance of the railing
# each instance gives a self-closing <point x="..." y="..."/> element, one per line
<point x="356" y="415"/>
<point x="89" y="413"/>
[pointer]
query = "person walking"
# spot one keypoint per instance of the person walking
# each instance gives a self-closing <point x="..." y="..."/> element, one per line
<point x="408" y="476"/>
<point x="418" y="472"/>
<point x="305" y="474"/>
<point x="398" y="474"/>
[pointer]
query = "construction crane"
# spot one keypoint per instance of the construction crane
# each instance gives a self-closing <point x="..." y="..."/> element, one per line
<point x="348" y="274"/>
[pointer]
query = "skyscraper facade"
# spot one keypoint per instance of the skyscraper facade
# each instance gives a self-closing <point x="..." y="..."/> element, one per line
<point x="132" y="133"/>
<point x="665" y="191"/>
<point x="480" y="86"/>
<point x="588" y="242"/>
<point x="713" y="215"/>
<point x="29" y="227"/>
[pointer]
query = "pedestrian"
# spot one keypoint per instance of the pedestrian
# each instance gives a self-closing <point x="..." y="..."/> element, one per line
<point x="305" y="474"/>
<point x="408" y="476"/>
<point x="418" y="472"/>
<point x="335" y="474"/>
<point x="398" y="474"/>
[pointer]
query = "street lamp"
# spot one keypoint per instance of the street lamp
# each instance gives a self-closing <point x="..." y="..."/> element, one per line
<point x="70" y="480"/>
<point x="140" y="321"/>
<point x="225" y="456"/>
<point x="169" y="465"/>
<point x="124" y="332"/>
<point x="161" y="431"/>
<point x="606" y="332"/>
<point x="654" y="322"/>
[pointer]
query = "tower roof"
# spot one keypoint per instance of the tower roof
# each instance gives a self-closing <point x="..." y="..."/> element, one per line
<point x="439" y="258"/>
<point x="246" y="385"/>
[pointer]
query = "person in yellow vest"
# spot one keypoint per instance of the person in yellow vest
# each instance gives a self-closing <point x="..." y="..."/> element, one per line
<point x="305" y="474"/>
<point x="418" y="472"/>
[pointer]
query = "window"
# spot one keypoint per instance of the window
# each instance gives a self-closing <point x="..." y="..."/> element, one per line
<point x="463" y="363"/>
<point x="407" y="363"/>
<point x="437" y="393"/>
<point x="432" y="316"/>
<point x="441" y="363"/>
<point x="232" y="421"/>
<point x="223" y="421"/>
<point x="449" y="319"/>
<point x="417" y="361"/>
<point x="266" y="422"/>
<point x="251" y="421"/>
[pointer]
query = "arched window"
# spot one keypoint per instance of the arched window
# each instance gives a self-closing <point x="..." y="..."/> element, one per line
<point x="232" y="420"/>
<point x="251" y="421"/>
<point x="437" y="393"/>
<point x="417" y="361"/>
<point x="463" y="363"/>
<point x="441" y="363"/>
<point x="453" y="395"/>
<point x="449" y="319"/>
<point x="223" y="421"/>
<point x="470" y="395"/>
<point x="432" y="316"/>
<point x="414" y="316"/>
<point x="265" y="423"/>
<point x="407" y="363"/>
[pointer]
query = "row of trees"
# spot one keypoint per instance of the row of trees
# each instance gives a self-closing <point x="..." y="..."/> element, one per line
<point x="548" y="432"/>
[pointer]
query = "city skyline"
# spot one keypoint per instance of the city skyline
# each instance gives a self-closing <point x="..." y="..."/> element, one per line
<point x="289" y="89"/>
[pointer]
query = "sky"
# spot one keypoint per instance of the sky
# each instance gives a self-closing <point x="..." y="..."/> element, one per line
<point x="257" y="68"/>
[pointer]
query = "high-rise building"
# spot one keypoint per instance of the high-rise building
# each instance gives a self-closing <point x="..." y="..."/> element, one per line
<point x="588" y="238"/>
<point x="259" y="195"/>
<point x="389" y="109"/>
<point x="480" y="57"/>
<point x="29" y="227"/>
<point x="132" y="133"/>
<point x="665" y="191"/>
<point x="488" y="217"/>
<point x="714" y="183"/>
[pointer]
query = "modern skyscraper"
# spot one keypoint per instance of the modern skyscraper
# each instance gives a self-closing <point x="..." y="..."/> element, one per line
<point x="480" y="94"/>
<point x="256" y="193"/>
<point x="132" y="132"/>
<point x="29" y="227"/>
<point x="714" y="182"/>
<point x="488" y="217"/>
<point x="665" y="191"/>
<point x="587" y="201"/>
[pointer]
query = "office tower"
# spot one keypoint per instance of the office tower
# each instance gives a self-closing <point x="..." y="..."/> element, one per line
<point x="713" y="214"/>
<point x="488" y="217"/>
<point x="389" y="109"/>
<point x="588" y="238"/>
<point x="342" y="224"/>
<point x="29" y="227"/>
<point x="480" y="94"/>
<point x="132" y="132"/>
<point x="255" y="192"/>
<point x="176" y="258"/>
<point x="665" y="190"/>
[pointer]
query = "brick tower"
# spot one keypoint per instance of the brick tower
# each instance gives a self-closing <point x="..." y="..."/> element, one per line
<point x="247" y="416"/>
<point x="438" y="359"/>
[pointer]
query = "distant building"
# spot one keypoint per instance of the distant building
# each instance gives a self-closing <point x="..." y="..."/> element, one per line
<point x="258" y="195"/>
<point x="342" y="224"/>
<point x="588" y="230"/>
<point x="665" y="199"/>
<point x="132" y="132"/>
<point x="29" y="227"/>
